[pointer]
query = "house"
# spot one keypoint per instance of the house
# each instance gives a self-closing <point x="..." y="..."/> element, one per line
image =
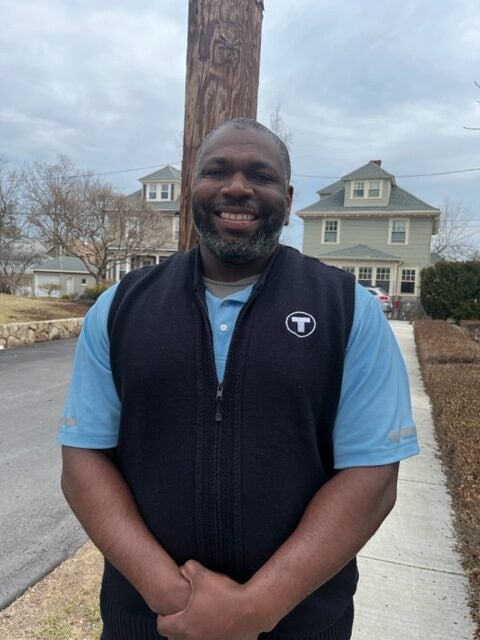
<point x="161" y="192"/>
<point x="367" y="224"/>
<point x="60" y="276"/>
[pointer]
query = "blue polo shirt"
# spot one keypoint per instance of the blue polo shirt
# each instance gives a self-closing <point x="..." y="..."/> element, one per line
<point x="374" y="423"/>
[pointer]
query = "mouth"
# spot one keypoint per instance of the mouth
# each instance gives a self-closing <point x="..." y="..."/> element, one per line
<point x="237" y="217"/>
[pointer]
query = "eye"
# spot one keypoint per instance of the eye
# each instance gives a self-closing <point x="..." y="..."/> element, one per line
<point x="214" y="172"/>
<point x="263" y="177"/>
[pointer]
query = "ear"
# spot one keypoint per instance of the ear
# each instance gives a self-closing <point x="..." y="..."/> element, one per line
<point x="289" y="204"/>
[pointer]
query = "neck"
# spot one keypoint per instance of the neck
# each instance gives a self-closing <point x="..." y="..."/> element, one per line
<point x="216" y="269"/>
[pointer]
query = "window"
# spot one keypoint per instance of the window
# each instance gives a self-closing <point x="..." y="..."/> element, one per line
<point x="83" y="281"/>
<point x="152" y="191"/>
<point x="330" y="231"/>
<point x="166" y="191"/>
<point x="398" y="231"/>
<point x="358" y="190"/>
<point x="383" y="278"/>
<point x="349" y="269"/>
<point x="374" y="189"/>
<point x="365" y="276"/>
<point x="175" y="228"/>
<point x="366" y="189"/>
<point x="407" y="284"/>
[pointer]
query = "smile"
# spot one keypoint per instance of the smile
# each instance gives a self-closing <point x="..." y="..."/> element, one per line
<point x="240" y="217"/>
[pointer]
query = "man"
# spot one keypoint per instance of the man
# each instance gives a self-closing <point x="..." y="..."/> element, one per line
<point x="234" y="422"/>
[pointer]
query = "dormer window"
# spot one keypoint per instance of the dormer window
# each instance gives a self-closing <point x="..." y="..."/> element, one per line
<point x="160" y="191"/>
<point x="166" y="192"/>
<point x="374" y="189"/>
<point x="362" y="189"/>
<point x="358" y="190"/>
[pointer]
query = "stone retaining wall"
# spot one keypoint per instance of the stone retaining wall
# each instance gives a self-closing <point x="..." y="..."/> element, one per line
<point x="18" y="333"/>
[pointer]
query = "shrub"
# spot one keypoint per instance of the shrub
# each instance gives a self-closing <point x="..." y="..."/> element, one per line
<point x="451" y="290"/>
<point x="450" y="363"/>
<point x="66" y="296"/>
<point x="92" y="293"/>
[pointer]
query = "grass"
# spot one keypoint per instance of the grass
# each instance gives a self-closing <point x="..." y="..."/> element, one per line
<point x="62" y="606"/>
<point x="450" y="363"/>
<point x="20" y="309"/>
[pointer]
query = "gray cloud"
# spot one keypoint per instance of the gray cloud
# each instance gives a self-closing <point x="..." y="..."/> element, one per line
<point x="103" y="82"/>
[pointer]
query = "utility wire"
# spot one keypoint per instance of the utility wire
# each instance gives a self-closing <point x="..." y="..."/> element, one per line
<point x="411" y="175"/>
<point x="294" y="175"/>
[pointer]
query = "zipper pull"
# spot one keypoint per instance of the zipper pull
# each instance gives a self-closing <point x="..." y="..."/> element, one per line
<point x="218" y="398"/>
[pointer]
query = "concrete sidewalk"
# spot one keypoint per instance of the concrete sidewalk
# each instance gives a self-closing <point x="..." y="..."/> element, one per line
<point x="412" y="585"/>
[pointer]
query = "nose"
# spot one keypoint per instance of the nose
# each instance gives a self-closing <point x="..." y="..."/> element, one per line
<point x="237" y="185"/>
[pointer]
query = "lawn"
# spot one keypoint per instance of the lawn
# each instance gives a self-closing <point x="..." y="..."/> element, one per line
<point x="20" y="309"/>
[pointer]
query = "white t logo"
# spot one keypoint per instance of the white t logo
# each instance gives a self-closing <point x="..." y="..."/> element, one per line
<point x="301" y="324"/>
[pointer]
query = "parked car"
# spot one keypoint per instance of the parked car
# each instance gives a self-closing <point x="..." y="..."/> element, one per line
<point x="382" y="296"/>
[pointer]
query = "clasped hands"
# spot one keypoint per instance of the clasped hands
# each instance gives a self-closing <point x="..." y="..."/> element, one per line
<point x="219" y="609"/>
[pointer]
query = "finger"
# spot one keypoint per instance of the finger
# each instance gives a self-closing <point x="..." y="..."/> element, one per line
<point x="170" y="626"/>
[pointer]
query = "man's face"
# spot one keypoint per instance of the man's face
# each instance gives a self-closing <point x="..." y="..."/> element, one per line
<point x="240" y="200"/>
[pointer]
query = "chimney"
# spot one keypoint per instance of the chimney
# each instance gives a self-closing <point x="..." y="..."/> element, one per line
<point x="377" y="162"/>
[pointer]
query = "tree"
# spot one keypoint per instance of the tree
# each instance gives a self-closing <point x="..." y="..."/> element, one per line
<point x="474" y="128"/>
<point x="277" y="125"/>
<point x="453" y="241"/>
<point x="17" y="252"/>
<point x="82" y="217"/>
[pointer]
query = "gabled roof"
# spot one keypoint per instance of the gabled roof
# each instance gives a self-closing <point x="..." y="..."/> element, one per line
<point x="360" y="251"/>
<point x="164" y="174"/>
<point x="400" y="201"/>
<point x="369" y="171"/>
<point x="62" y="263"/>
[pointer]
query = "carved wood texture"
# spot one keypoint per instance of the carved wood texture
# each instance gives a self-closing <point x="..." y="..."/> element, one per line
<point x="223" y="64"/>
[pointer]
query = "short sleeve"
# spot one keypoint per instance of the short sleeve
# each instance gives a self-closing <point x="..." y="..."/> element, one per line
<point x="92" y="407"/>
<point x="374" y="423"/>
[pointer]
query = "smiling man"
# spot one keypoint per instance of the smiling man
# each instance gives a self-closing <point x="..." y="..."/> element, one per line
<point x="234" y="422"/>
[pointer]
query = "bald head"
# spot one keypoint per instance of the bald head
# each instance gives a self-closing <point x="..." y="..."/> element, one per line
<point x="250" y="123"/>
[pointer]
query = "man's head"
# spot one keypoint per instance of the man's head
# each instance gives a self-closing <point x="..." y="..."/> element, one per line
<point x="241" y="198"/>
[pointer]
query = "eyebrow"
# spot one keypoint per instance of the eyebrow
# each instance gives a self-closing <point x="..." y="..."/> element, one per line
<point x="254" y="166"/>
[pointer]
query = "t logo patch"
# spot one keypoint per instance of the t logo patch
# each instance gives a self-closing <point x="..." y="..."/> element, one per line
<point x="301" y="324"/>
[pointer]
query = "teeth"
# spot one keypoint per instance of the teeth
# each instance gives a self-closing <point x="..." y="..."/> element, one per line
<point x="226" y="215"/>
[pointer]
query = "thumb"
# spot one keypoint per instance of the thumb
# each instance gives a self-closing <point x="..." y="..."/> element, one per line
<point x="191" y="569"/>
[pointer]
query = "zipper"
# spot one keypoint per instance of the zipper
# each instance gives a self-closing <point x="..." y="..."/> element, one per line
<point x="218" y="403"/>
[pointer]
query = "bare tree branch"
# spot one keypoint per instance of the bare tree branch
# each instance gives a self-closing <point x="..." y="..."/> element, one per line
<point x="453" y="240"/>
<point x="82" y="217"/>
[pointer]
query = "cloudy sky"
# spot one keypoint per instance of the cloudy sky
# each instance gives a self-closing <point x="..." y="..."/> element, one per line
<point x="103" y="83"/>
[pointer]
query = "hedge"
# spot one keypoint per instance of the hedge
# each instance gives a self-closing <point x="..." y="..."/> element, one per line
<point x="451" y="290"/>
<point x="450" y="363"/>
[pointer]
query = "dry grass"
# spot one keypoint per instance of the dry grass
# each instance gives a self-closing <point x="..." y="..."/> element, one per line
<point x="450" y="362"/>
<point x="20" y="309"/>
<point x="62" y="606"/>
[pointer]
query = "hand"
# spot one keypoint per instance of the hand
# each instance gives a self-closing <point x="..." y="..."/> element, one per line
<point x="219" y="609"/>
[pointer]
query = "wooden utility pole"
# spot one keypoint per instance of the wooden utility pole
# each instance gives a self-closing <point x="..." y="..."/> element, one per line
<point x="223" y="65"/>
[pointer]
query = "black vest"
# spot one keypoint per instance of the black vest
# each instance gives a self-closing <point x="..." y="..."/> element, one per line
<point x="223" y="473"/>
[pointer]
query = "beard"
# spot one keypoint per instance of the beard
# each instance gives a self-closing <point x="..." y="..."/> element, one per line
<point x="239" y="249"/>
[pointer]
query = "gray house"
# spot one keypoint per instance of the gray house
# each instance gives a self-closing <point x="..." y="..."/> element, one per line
<point x="62" y="275"/>
<point x="368" y="225"/>
<point x="161" y="191"/>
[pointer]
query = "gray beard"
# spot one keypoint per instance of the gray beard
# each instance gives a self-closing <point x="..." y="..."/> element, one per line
<point x="239" y="250"/>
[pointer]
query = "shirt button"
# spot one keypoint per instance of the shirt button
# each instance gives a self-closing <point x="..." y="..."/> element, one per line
<point x="223" y="327"/>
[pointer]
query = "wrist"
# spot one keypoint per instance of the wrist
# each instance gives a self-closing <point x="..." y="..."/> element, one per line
<point x="167" y="596"/>
<point x="260" y="608"/>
